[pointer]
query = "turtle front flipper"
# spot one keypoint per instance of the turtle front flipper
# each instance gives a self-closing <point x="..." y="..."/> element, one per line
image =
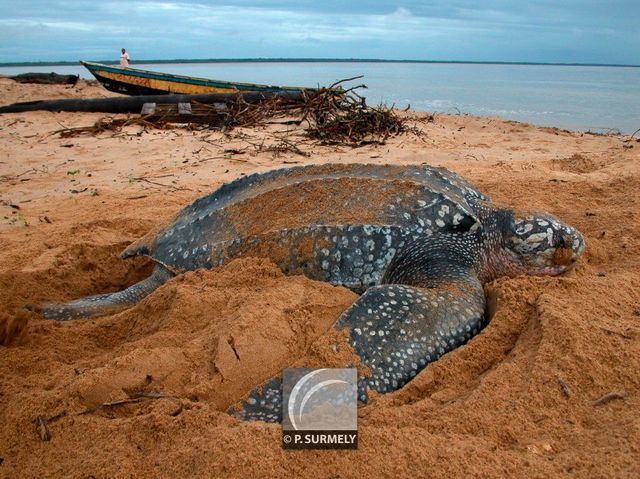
<point x="110" y="303"/>
<point x="397" y="330"/>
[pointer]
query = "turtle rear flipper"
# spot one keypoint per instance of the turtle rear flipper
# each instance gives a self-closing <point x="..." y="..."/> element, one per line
<point x="396" y="330"/>
<point x="110" y="303"/>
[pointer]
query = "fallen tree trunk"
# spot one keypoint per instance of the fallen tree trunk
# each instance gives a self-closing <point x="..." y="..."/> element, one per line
<point x="133" y="104"/>
<point x="46" y="78"/>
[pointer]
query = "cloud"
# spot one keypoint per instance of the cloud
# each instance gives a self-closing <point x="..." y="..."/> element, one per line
<point x="544" y="30"/>
<point x="21" y="24"/>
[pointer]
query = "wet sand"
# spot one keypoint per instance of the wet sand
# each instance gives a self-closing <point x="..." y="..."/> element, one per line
<point x="521" y="398"/>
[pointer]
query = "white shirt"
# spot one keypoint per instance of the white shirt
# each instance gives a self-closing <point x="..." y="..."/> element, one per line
<point x="124" y="60"/>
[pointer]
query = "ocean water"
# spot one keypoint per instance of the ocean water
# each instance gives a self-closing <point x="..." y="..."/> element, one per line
<point x="583" y="98"/>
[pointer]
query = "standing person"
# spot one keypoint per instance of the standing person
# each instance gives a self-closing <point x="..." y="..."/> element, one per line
<point x="124" y="59"/>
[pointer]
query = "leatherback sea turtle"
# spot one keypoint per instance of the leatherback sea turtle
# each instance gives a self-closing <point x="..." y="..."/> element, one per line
<point x="418" y="242"/>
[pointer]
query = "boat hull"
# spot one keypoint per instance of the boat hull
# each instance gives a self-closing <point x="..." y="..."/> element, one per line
<point x="132" y="81"/>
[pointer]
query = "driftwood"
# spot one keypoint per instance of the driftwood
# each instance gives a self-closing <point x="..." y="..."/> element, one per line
<point x="46" y="78"/>
<point x="213" y="114"/>
<point x="134" y="104"/>
<point x="346" y="119"/>
<point x="329" y="115"/>
<point x="610" y="397"/>
<point x="134" y="398"/>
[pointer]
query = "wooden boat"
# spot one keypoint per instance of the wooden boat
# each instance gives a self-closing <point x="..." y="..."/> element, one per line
<point x="132" y="81"/>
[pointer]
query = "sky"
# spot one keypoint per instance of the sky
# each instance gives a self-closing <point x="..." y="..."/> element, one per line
<point x="564" y="31"/>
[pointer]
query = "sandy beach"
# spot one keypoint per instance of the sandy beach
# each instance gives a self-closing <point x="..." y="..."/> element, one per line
<point x="550" y="388"/>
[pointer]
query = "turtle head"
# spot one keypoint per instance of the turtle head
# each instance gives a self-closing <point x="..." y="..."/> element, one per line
<point x="541" y="244"/>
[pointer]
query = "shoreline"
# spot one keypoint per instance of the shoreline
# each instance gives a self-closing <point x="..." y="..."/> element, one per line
<point x="90" y="84"/>
<point x="597" y="100"/>
<point x="496" y="406"/>
<point x="319" y="60"/>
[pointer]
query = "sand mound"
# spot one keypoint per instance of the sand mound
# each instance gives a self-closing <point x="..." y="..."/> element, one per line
<point x="577" y="163"/>
<point x="205" y="336"/>
<point x="13" y="92"/>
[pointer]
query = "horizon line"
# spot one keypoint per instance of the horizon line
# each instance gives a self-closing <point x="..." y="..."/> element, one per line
<point x="314" y="60"/>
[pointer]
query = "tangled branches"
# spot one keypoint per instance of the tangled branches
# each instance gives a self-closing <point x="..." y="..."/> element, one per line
<point x="108" y="123"/>
<point x="330" y="115"/>
<point x="239" y="113"/>
<point x="346" y="119"/>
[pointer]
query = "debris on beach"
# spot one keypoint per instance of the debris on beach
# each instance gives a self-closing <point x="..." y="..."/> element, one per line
<point x="331" y="116"/>
<point x="46" y="78"/>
